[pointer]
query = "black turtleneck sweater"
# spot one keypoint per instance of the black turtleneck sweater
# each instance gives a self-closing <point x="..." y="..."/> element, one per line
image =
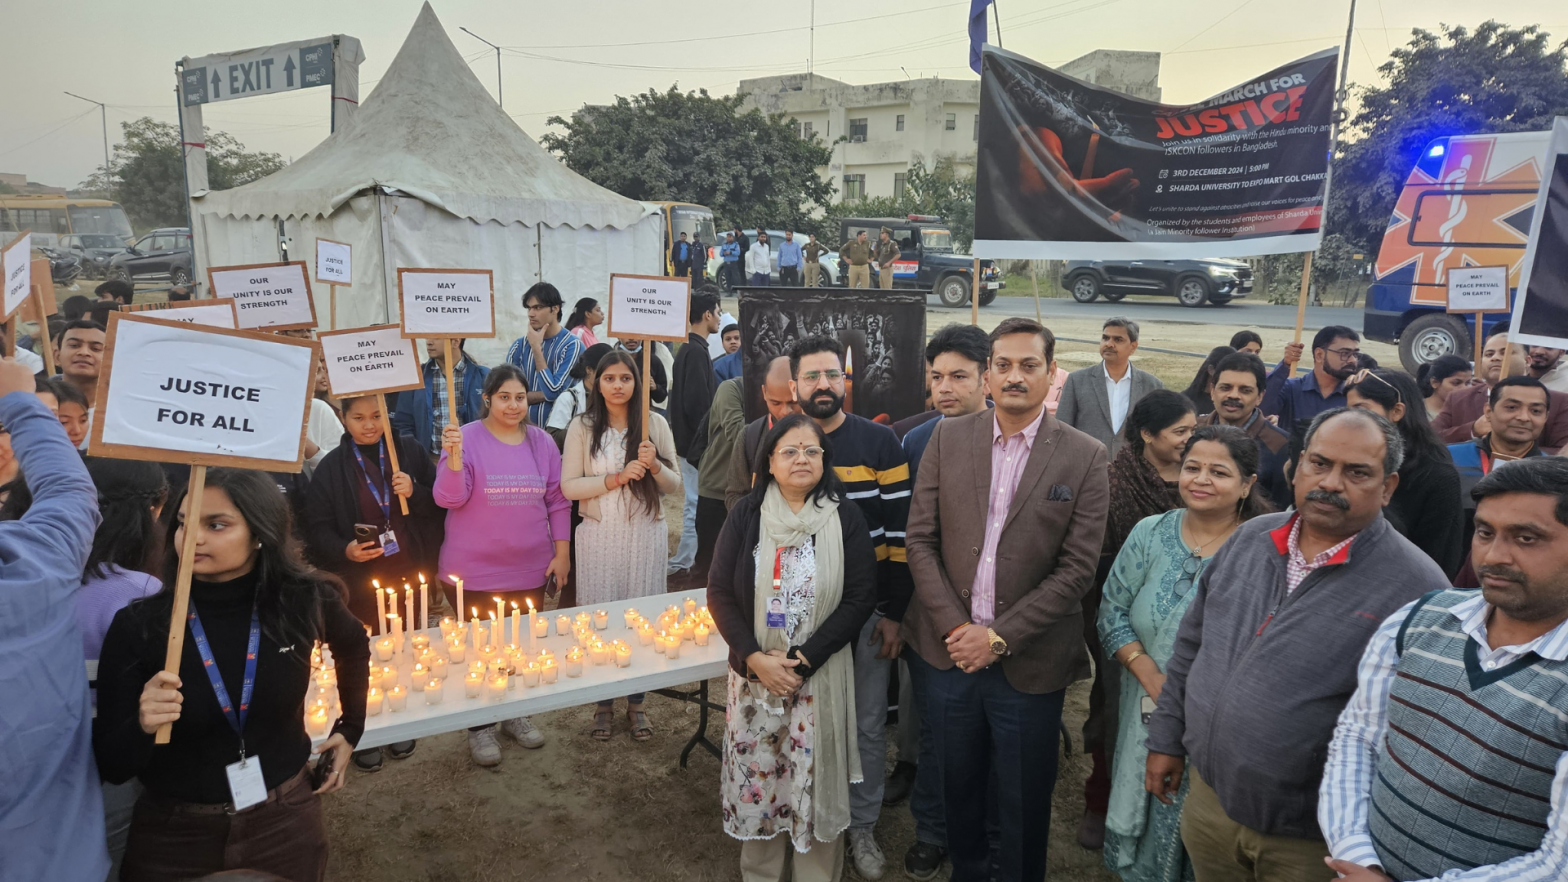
<point x="190" y="768"/>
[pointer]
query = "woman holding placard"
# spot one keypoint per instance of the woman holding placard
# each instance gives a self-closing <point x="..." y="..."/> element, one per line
<point x="233" y="788"/>
<point x="508" y="528"/>
<point x="618" y="478"/>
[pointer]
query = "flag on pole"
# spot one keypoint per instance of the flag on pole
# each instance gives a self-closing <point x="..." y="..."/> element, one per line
<point x="977" y="31"/>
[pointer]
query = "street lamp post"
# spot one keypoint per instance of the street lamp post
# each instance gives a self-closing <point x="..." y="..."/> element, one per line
<point x="497" y="49"/>
<point x="104" y="118"/>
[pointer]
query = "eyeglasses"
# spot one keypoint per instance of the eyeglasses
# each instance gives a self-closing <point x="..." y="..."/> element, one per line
<point x="830" y="376"/>
<point x="1346" y="354"/>
<point x="790" y="454"/>
<point x="1364" y="374"/>
<point x="1189" y="571"/>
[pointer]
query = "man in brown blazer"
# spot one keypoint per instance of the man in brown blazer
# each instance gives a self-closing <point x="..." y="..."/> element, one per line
<point x="1003" y="537"/>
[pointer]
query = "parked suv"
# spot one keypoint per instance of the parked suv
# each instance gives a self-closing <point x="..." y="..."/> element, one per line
<point x="926" y="258"/>
<point x="827" y="261"/>
<point x="1193" y="282"/>
<point x="160" y="256"/>
<point x="93" y="250"/>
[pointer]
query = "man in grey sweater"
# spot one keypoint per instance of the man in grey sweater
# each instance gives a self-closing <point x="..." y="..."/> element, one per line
<point x="1266" y="657"/>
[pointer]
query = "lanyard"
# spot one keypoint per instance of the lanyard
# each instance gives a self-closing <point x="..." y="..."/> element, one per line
<point x="382" y="498"/>
<point x="236" y="721"/>
<point x="778" y="569"/>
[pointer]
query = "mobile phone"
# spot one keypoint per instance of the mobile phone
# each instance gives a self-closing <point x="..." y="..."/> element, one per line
<point x="322" y="768"/>
<point x="550" y="588"/>
<point x="366" y="533"/>
<point x="1146" y="709"/>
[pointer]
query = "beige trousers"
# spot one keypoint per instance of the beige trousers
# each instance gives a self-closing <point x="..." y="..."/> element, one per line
<point x="776" y="860"/>
<point x="813" y="270"/>
<point x="1224" y="851"/>
<point x="885" y="276"/>
<point x="860" y="276"/>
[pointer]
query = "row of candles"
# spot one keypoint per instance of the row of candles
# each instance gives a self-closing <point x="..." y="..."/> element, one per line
<point x="497" y="668"/>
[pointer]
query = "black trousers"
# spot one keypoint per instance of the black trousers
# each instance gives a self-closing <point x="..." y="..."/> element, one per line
<point x="789" y="275"/>
<point x="710" y="521"/>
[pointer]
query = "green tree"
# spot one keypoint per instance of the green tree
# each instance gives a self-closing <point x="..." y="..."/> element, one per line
<point x="750" y="168"/>
<point x="147" y="175"/>
<point x="943" y="190"/>
<point x="1455" y="82"/>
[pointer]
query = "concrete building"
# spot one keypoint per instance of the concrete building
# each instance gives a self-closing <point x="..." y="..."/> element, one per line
<point x="22" y="185"/>
<point x="888" y="125"/>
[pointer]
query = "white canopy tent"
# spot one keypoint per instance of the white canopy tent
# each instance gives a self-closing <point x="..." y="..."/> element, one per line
<point x="432" y="173"/>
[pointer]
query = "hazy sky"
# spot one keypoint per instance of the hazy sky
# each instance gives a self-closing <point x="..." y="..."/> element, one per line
<point x="562" y="55"/>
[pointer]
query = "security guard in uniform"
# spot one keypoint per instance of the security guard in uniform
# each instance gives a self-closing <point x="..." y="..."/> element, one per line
<point x="858" y="255"/>
<point x="887" y="254"/>
<point x="813" y="251"/>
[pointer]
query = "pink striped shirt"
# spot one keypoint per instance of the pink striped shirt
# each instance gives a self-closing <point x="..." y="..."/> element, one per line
<point x="1008" y="457"/>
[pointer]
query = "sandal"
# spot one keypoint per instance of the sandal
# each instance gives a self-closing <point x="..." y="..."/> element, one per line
<point x="641" y="731"/>
<point x="602" y="719"/>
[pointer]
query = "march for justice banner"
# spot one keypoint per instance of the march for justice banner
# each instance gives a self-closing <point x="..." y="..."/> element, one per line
<point x="1070" y="171"/>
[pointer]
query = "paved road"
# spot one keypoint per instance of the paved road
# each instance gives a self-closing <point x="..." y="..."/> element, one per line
<point x="1165" y="309"/>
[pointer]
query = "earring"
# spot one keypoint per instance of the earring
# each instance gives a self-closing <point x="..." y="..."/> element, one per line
<point x="258" y="546"/>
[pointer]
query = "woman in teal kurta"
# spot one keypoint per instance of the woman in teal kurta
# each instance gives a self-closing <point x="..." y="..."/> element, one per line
<point x="1146" y="594"/>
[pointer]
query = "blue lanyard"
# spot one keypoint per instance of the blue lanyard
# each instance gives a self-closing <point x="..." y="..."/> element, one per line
<point x="385" y="501"/>
<point x="236" y="720"/>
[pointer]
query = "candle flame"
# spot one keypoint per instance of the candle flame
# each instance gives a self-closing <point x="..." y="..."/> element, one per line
<point x="530" y="605"/>
<point x="376" y="583"/>
<point x="453" y="577"/>
<point x="492" y="615"/>
<point x="514" y="605"/>
<point x="421" y="578"/>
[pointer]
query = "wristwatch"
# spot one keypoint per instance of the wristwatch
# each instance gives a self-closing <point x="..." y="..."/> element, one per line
<point x="998" y="645"/>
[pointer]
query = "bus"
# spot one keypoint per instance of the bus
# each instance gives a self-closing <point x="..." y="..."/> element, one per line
<point x="50" y="217"/>
<point x="696" y="221"/>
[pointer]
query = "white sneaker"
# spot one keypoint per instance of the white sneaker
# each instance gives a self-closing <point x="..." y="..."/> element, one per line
<point x="523" y="730"/>
<point x="865" y="855"/>
<point x="483" y="747"/>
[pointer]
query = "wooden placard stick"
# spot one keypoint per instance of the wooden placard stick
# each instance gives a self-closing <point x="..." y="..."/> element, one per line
<point x="182" y="583"/>
<point x="1478" y="340"/>
<point x="647" y="380"/>
<point x="10" y="335"/>
<point x="391" y="439"/>
<point x="1301" y="299"/>
<point x="1035" y="280"/>
<point x="332" y="309"/>
<point x="455" y="461"/>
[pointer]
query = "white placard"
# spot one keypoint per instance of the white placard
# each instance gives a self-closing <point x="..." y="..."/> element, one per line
<point x="334" y="262"/>
<point x="272" y="296"/>
<point x="185" y="393"/>
<point x="446" y="302"/>
<point x="208" y="312"/>
<point x="650" y="307"/>
<point x="368" y="360"/>
<point x="18" y="269"/>
<point x="1478" y="289"/>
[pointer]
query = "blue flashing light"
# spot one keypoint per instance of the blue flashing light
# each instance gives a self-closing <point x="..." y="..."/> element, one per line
<point x="1436" y="151"/>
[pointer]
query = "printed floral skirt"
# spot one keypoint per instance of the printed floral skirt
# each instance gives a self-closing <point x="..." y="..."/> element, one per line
<point x="765" y="785"/>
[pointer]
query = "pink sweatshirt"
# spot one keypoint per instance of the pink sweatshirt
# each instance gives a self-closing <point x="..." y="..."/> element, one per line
<point x="504" y="510"/>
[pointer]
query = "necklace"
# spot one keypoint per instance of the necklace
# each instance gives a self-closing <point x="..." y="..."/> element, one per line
<point x="1198" y="551"/>
<point x="1192" y="565"/>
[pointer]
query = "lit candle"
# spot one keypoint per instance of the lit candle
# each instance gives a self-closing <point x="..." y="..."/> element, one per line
<point x="541" y="625"/>
<point x="702" y="613"/>
<point x="373" y="701"/>
<point x="574" y="662"/>
<point x="446" y="627"/>
<point x="381" y="609"/>
<point x="549" y="671"/>
<point x="531" y="674"/>
<point x="644" y="633"/>
<point x="477" y="665"/>
<point x="581" y="618"/>
<point x="700" y="635"/>
<point x="623" y="654"/>
<point x="690" y="605"/>
<point x="375" y="677"/>
<point x="456" y="648"/>
<point x="421" y="643"/>
<point x="408" y="607"/>
<point x="391" y="604"/>
<point x="473" y="627"/>
<point x="672" y="649"/>
<point x="397" y="698"/>
<point x="388" y="677"/>
<point x="424" y="603"/>
<point x="417" y="679"/>
<point x="384" y="649"/>
<point x="516" y="633"/>
<point x="599" y="653"/>
<point x="498" y="622"/>
<point x="661" y="642"/>
<point x="601" y="619"/>
<point x="471" y="683"/>
<point x="631" y="617"/>
<point x="459" y="583"/>
<point x="533" y="624"/>
<point x="397" y="630"/>
<point x="318" y="721"/>
<point x="563" y="626"/>
<point x="487" y="653"/>
<point x="434" y="690"/>
<point x="438" y="667"/>
<point x="497" y="687"/>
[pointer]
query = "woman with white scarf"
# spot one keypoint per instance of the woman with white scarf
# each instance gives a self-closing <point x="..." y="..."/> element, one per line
<point x="792" y="582"/>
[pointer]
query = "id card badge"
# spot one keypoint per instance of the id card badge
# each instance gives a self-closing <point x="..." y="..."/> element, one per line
<point x="389" y="542"/>
<point x="246" y="787"/>
<point x="775" y="612"/>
